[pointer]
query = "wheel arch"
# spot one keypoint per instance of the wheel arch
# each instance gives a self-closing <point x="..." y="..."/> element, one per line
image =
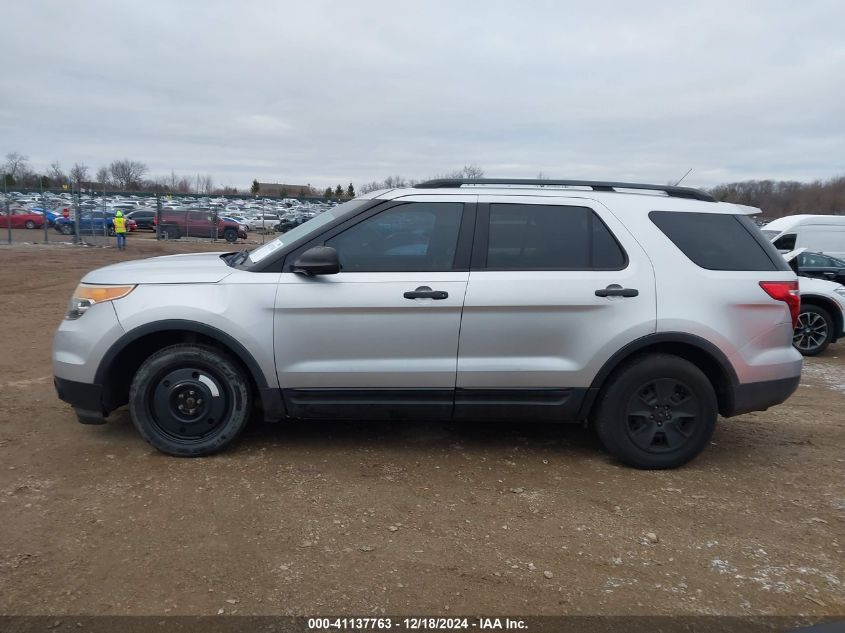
<point x="124" y="357"/>
<point x="700" y="352"/>
<point x="831" y="307"/>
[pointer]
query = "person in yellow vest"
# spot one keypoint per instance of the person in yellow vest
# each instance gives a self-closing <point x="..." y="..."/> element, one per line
<point x="120" y="229"/>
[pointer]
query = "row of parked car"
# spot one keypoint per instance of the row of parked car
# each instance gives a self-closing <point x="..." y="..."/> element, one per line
<point x="220" y="218"/>
<point x="814" y="246"/>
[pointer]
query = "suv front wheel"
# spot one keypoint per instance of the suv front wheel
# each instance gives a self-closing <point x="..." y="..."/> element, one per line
<point x="189" y="400"/>
<point x="656" y="411"/>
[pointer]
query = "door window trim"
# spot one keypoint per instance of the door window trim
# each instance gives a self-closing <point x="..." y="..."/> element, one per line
<point x="463" y="250"/>
<point x="482" y="240"/>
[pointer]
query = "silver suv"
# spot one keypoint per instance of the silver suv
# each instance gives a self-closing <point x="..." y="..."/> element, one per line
<point x="643" y="310"/>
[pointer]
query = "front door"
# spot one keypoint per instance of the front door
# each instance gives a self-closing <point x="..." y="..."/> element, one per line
<point x="555" y="289"/>
<point x="380" y="338"/>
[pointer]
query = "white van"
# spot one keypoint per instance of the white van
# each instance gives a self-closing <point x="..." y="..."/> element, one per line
<point x="819" y="233"/>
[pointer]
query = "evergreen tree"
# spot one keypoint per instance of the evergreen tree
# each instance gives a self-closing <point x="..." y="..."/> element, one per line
<point x="350" y="191"/>
<point x="338" y="193"/>
<point x="327" y="194"/>
<point x="255" y="187"/>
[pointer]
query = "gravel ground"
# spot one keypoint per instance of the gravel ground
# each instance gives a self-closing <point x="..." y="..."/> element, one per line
<point x="372" y="518"/>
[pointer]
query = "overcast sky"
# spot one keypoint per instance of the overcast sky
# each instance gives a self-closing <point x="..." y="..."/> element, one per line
<point x="333" y="92"/>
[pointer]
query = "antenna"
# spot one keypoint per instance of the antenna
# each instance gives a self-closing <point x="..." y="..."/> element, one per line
<point x="684" y="176"/>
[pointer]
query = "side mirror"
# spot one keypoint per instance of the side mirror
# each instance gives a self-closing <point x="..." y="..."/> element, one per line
<point x="318" y="260"/>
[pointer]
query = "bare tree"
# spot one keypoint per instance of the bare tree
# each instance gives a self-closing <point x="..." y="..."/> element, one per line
<point x="127" y="174"/>
<point x="78" y="174"/>
<point x="17" y="165"/>
<point x="472" y="171"/>
<point x="103" y="177"/>
<point x="204" y="184"/>
<point x="55" y="173"/>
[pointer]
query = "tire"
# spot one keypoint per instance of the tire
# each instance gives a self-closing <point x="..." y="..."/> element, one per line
<point x="30" y="224"/>
<point x="111" y="231"/>
<point x="678" y="406"/>
<point x="189" y="375"/>
<point x="230" y="235"/>
<point x="170" y="232"/>
<point x="814" y="330"/>
<point x="66" y="229"/>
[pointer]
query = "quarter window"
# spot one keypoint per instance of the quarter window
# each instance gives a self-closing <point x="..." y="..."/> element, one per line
<point x="719" y="241"/>
<point x="550" y="237"/>
<point x="412" y="237"/>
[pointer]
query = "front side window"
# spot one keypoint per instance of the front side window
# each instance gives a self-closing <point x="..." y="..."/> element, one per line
<point x="411" y="237"/>
<point x="550" y="237"/>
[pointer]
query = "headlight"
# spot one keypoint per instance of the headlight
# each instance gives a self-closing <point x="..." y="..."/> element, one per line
<point x="87" y="295"/>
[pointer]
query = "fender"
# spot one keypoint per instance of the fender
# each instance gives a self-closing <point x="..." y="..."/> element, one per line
<point x="650" y="340"/>
<point x="270" y="396"/>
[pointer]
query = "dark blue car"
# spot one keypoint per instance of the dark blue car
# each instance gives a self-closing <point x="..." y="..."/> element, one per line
<point x="90" y="222"/>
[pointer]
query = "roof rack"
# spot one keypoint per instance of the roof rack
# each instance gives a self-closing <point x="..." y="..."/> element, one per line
<point x="595" y="185"/>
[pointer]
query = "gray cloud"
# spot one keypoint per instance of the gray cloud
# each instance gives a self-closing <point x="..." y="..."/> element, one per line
<point x="328" y="92"/>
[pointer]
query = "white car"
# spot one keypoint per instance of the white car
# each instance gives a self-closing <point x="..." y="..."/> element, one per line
<point x="263" y="221"/>
<point x="240" y="220"/>
<point x="821" y="318"/>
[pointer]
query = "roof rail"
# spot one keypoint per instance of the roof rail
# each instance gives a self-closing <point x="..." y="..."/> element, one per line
<point x="595" y="185"/>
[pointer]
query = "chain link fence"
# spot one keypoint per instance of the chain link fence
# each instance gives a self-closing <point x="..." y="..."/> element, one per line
<point x="50" y="216"/>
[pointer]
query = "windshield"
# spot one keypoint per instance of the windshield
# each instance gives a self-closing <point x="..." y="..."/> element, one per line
<point x="304" y="229"/>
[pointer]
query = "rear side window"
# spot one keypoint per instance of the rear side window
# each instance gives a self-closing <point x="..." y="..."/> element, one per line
<point x="718" y="241"/>
<point x="550" y="237"/>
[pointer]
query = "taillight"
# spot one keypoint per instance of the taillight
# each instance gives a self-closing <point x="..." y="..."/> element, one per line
<point x="786" y="291"/>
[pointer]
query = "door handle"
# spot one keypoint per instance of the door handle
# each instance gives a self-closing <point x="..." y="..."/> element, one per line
<point x="615" y="290"/>
<point x="424" y="292"/>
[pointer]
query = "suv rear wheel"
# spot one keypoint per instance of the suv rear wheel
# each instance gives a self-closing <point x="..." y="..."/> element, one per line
<point x="813" y="330"/>
<point x="656" y="411"/>
<point x="230" y="235"/>
<point x="189" y="400"/>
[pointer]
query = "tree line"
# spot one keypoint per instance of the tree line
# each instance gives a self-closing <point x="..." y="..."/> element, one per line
<point x="777" y="198"/>
<point x="774" y="197"/>
<point x="119" y="175"/>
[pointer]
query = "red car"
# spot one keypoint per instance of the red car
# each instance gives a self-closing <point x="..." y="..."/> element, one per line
<point x="21" y="220"/>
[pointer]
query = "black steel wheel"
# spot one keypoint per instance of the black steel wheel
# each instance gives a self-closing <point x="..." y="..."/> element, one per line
<point x="230" y="235"/>
<point x="661" y="415"/>
<point x="813" y="331"/>
<point x="189" y="400"/>
<point x="656" y="411"/>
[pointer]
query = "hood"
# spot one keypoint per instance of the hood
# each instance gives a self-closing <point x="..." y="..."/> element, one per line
<point x="817" y="286"/>
<point x="197" y="268"/>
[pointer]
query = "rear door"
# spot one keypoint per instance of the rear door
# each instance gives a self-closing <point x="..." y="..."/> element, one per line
<point x="380" y="338"/>
<point x="200" y="224"/>
<point x="556" y="287"/>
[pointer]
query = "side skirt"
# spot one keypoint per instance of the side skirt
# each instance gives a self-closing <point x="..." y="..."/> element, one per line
<point x="552" y="405"/>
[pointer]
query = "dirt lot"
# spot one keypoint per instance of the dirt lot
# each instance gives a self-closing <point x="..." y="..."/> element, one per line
<point x="399" y="519"/>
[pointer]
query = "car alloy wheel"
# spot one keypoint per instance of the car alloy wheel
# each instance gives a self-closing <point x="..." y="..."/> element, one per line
<point x="811" y="332"/>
